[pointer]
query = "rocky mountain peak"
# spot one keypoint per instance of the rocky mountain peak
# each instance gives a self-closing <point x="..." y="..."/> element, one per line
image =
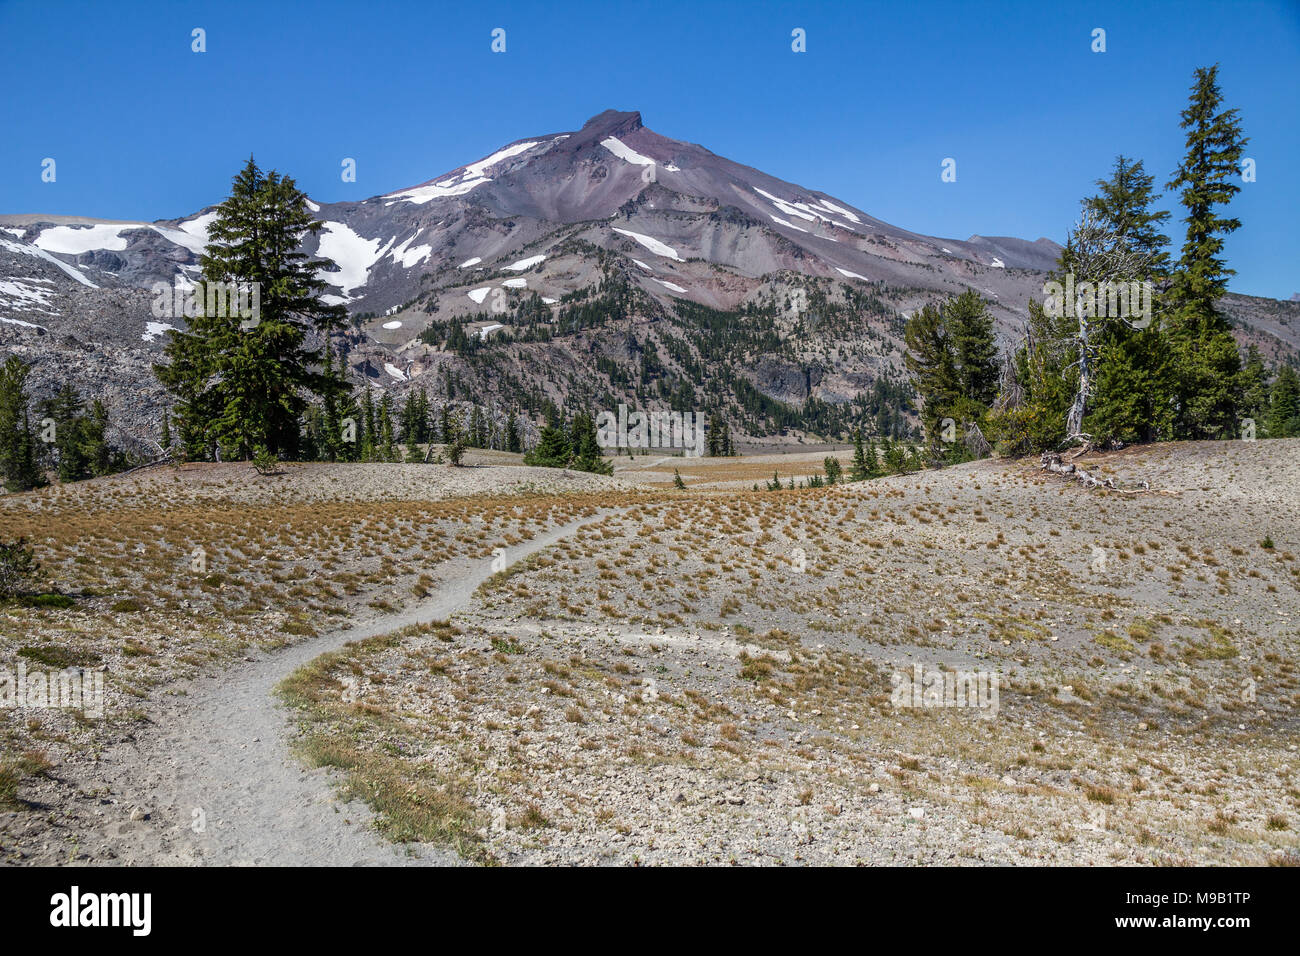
<point x="613" y="123"/>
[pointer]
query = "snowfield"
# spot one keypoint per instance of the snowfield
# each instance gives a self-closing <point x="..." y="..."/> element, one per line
<point x="197" y="230"/>
<point x="822" y="210"/>
<point x="789" y="209"/>
<point x="654" y="245"/>
<point x="409" y="257"/>
<point x="352" y="254"/>
<point x="23" y="248"/>
<point x="671" y="286"/>
<point x="15" y="293"/>
<point x="154" y="329"/>
<point x="626" y="153"/>
<point x="74" y="240"/>
<point x="789" y="225"/>
<point x="839" y="210"/>
<point x="471" y="177"/>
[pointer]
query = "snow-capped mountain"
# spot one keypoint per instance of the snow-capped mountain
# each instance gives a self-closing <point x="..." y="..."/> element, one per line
<point x="665" y="202"/>
<point x="549" y="215"/>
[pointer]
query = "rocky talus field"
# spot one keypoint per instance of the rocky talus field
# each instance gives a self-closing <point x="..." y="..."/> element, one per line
<point x="506" y="665"/>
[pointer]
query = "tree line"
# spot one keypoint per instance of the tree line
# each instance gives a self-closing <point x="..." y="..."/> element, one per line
<point x="1128" y="344"/>
<point x="61" y="434"/>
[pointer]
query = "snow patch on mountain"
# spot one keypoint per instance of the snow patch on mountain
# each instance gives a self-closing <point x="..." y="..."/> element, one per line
<point x="29" y="325"/>
<point x="788" y="208"/>
<point x="470" y="177"/>
<point x="654" y="245"/>
<point x="851" y="275"/>
<point x="469" y="262"/>
<point x="528" y="263"/>
<point x="789" y="225"/>
<point x="196" y="244"/>
<point x="409" y="257"/>
<point x="839" y="210"/>
<point x="822" y="210"/>
<point x="16" y="293"/>
<point x="625" y="152"/>
<point x="154" y="329"/>
<point x="672" y="286"/>
<point x="351" y="253"/>
<point x="198" y="227"/>
<point x="516" y="283"/>
<point x="25" y="249"/>
<point x="478" y="295"/>
<point x="74" y="240"/>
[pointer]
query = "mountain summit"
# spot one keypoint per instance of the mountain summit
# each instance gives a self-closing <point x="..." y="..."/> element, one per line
<point x="567" y="249"/>
<point x="676" y="203"/>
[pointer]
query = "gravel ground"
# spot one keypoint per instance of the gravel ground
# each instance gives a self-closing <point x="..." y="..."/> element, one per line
<point x="214" y="782"/>
<point x="686" y="677"/>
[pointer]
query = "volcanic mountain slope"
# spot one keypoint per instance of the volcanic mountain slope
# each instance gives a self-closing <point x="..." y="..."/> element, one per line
<point x="599" y="244"/>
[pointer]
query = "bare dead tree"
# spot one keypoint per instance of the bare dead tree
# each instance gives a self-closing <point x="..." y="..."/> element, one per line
<point x="1053" y="462"/>
<point x="975" y="442"/>
<point x="1011" y="394"/>
<point x="1100" y="288"/>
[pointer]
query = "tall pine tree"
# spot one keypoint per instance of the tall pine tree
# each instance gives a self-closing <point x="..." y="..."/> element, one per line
<point x="18" y="466"/>
<point x="241" y="382"/>
<point x="1205" y="354"/>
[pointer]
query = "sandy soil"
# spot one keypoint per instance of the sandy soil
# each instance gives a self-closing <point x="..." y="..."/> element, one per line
<point x="669" y="677"/>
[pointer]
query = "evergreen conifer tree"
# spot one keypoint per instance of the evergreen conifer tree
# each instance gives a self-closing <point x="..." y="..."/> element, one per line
<point x="1205" y="356"/>
<point x="18" y="465"/>
<point x="240" y="382"/>
<point x="1283" y="420"/>
<point x="859" y="470"/>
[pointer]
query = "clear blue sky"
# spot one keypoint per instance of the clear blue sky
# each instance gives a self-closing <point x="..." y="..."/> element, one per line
<point x="143" y="128"/>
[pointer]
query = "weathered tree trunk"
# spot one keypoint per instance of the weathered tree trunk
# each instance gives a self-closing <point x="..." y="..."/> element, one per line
<point x="1052" y="462"/>
<point x="165" y="460"/>
<point x="1067" y="469"/>
<point x="1074" y="421"/>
